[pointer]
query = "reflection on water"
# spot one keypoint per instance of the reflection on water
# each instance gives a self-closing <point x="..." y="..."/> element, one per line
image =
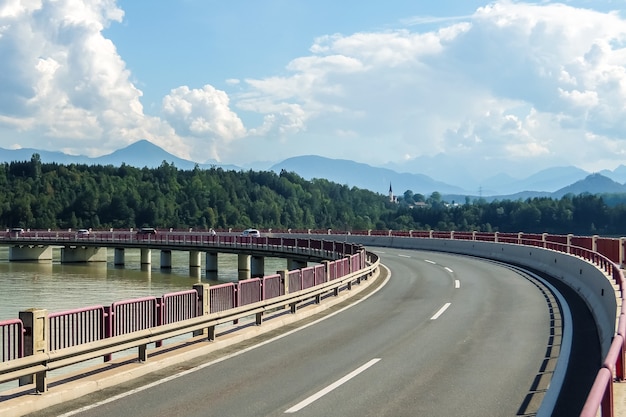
<point x="58" y="287"/>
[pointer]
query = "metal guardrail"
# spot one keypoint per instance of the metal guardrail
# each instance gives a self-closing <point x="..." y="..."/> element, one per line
<point x="40" y="364"/>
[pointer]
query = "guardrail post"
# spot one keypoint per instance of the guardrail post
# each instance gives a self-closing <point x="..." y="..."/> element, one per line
<point x="204" y="305"/>
<point x="143" y="353"/>
<point x="35" y="341"/>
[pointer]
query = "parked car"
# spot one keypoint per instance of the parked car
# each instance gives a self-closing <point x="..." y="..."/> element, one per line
<point x="251" y="233"/>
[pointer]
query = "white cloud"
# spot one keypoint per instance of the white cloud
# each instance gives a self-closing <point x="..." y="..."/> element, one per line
<point x="65" y="87"/>
<point x="547" y="74"/>
<point x="201" y="113"/>
<point x="513" y="83"/>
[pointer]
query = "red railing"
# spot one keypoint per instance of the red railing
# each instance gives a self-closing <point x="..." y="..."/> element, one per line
<point x="178" y="306"/>
<point x="11" y="339"/>
<point x="72" y="327"/>
<point x="75" y="327"/>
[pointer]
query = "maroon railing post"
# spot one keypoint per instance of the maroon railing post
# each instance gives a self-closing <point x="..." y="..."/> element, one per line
<point x="108" y="327"/>
<point x="160" y="315"/>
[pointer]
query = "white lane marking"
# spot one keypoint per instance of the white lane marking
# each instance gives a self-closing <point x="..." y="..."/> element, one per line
<point x="449" y="270"/>
<point x="430" y="262"/>
<point x="440" y="312"/>
<point x="403" y="256"/>
<point x="457" y="283"/>
<point x="331" y="387"/>
<point x="223" y="358"/>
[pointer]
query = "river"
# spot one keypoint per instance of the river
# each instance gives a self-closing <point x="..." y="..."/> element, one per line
<point x="58" y="287"/>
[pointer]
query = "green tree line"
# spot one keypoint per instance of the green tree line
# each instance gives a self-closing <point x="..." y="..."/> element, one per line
<point x="41" y="196"/>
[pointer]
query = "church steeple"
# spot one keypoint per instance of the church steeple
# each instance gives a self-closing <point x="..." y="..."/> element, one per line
<point x="391" y="199"/>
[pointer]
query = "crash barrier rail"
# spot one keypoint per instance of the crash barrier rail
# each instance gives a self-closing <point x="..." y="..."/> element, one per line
<point x="84" y="334"/>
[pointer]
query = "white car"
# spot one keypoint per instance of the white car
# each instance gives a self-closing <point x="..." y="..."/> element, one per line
<point x="83" y="233"/>
<point x="251" y="233"/>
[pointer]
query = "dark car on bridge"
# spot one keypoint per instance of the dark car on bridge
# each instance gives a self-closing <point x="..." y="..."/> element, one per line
<point x="16" y="231"/>
<point x="146" y="232"/>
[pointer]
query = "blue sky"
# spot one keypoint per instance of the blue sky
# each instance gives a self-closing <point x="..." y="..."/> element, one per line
<point x="446" y="88"/>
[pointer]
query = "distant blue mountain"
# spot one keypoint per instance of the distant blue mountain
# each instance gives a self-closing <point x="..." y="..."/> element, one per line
<point x="593" y="184"/>
<point x="617" y="175"/>
<point x="553" y="182"/>
<point x="140" y="154"/>
<point x="355" y="174"/>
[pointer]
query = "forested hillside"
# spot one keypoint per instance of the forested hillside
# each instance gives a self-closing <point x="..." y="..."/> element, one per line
<point x="45" y="196"/>
<point x="42" y="196"/>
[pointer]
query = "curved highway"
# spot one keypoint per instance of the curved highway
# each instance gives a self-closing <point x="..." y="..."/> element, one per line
<point x="447" y="335"/>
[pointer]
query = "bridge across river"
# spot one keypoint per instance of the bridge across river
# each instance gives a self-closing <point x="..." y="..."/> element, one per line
<point x="251" y="251"/>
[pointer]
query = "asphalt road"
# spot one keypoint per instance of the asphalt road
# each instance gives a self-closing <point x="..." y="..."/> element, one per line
<point x="447" y="335"/>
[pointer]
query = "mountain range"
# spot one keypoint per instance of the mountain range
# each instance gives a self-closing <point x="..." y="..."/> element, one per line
<point x="553" y="182"/>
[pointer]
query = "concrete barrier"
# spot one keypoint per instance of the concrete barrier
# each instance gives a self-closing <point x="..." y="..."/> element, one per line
<point x="591" y="283"/>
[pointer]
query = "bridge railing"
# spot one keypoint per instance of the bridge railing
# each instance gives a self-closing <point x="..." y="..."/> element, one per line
<point x="83" y="334"/>
<point x="606" y="253"/>
<point x="11" y="339"/>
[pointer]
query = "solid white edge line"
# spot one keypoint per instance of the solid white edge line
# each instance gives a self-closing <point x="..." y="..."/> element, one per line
<point x="331" y="387"/>
<point x="440" y="312"/>
<point x="232" y="355"/>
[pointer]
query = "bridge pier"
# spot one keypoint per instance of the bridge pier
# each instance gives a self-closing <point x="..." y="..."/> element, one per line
<point x="257" y="266"/>
<point x="211" y="262"/>
<point x="146" y="256"/>
<point x="211" y="265"/>
<point x="166" y="259"/>
<point x="243" y="265"/>
<point x="82" y="254"/>
<point x="30" y="253"/>
<point x="195" y="260"/>
<point x="295" y="264"/>
<point x="118" y="258"/>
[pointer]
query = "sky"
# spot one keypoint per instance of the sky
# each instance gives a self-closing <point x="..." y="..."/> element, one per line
<point x="442" y="88"/>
